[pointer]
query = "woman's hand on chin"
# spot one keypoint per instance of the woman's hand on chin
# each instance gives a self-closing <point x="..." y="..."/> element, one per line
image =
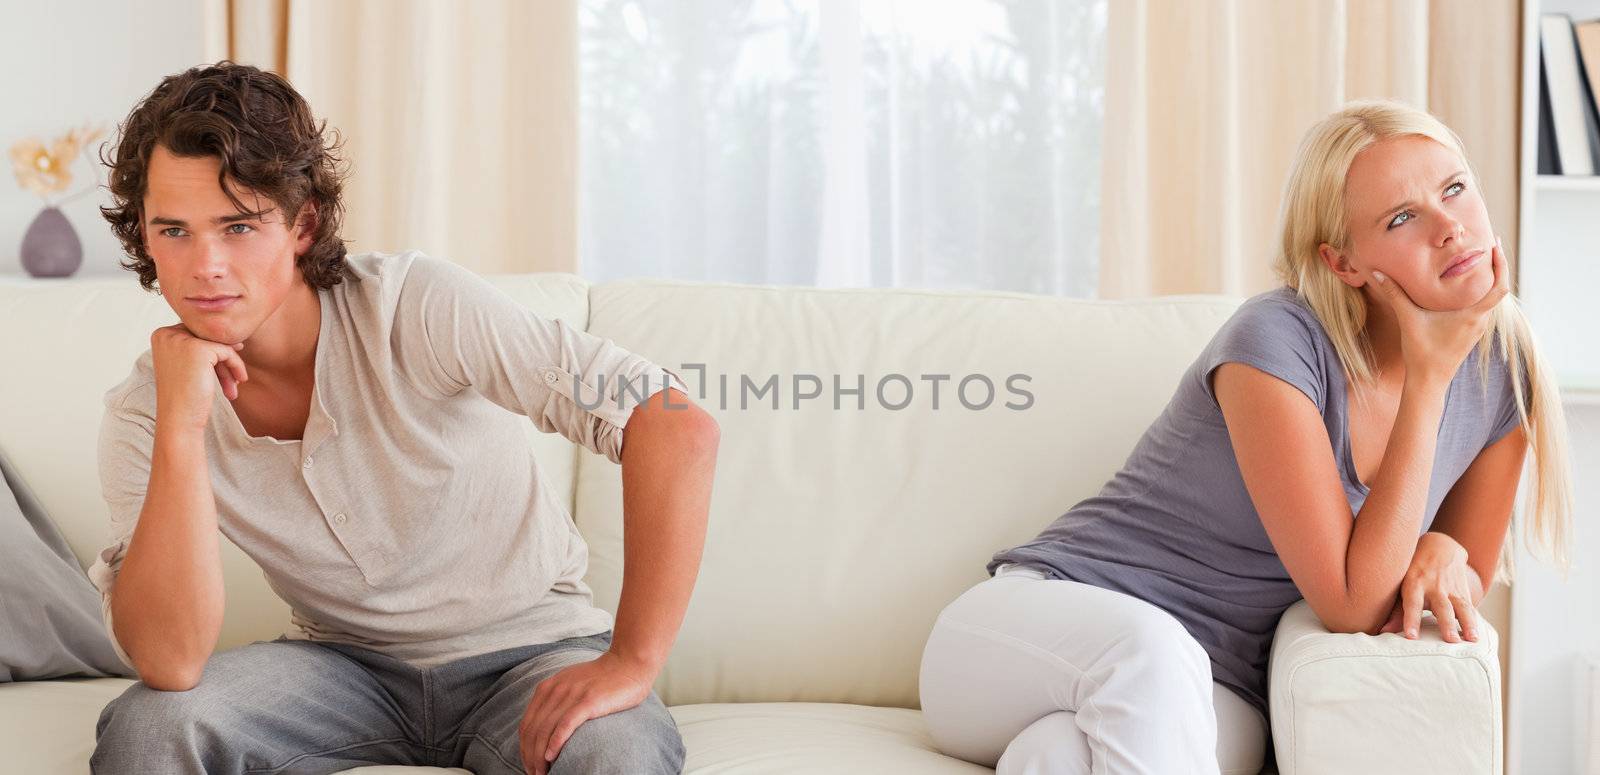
<point x="1435" y="342"/>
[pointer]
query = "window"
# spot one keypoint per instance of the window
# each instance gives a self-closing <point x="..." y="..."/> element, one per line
<point x="843" y="142"/>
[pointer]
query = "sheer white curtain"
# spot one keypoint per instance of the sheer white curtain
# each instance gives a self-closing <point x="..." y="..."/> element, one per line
<point x="1207" y="101"/>
<point x="843" y="142"/>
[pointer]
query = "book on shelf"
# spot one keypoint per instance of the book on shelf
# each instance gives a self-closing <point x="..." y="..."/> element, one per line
<point x="1569" y="120"/>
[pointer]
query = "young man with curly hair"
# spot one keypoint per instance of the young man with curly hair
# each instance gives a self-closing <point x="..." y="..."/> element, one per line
<point x="345" y="421"/>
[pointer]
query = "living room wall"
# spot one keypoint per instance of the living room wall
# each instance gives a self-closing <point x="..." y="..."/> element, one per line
<point x="69" y="62"/>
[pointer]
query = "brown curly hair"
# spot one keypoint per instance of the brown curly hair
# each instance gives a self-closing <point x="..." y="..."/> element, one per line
<point x="267" y="140"/>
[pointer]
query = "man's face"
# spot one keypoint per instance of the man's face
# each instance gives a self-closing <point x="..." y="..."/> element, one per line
<point x="223" y="272"/>
<point x="1413" y="210"/>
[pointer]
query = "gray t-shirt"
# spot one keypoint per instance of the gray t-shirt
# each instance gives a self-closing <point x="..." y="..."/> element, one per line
<point x="1176" y="527"/>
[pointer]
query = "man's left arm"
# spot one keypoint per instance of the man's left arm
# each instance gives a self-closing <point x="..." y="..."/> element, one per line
<point x="669" y="452"/>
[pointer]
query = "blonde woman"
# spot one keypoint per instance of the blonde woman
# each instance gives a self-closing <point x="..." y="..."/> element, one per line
<point x="1354" y="437"/>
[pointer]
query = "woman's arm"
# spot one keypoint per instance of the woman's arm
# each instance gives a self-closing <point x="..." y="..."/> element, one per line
<point x="1454" y="563"/>
<point x="1348" y="570"/>
<point x="1477" y="511"/>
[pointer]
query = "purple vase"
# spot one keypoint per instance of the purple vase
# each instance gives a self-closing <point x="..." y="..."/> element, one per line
<point x="50" y="248"/>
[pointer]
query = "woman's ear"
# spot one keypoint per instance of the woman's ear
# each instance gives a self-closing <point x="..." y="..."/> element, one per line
<point x="1339" y="264"/>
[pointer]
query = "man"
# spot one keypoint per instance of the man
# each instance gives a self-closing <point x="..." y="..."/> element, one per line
<point x="343" y="420"/>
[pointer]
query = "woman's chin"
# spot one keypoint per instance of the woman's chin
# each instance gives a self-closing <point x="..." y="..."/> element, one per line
<point x="1457" y="293"/>
<point x="1477" y="283"/>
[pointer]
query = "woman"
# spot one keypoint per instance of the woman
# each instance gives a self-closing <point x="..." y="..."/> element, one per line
<point x="1336" y="441"/>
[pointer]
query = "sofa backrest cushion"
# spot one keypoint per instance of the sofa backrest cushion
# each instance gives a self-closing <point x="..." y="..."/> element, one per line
<point x="837" y="535"/>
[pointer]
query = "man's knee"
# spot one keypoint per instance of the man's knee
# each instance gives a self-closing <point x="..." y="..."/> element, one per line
<point x="145" y="725"/>
<point x="152" y="709"/>
<point x="179" y="729"/>
<point x="641" y="739"/>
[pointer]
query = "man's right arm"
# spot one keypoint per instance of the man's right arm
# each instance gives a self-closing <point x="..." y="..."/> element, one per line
<point x="166" y="602"/>
<point x="166" y="607"/>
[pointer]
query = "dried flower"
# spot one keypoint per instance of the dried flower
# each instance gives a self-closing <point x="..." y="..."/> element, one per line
<point x="46" y="171"/>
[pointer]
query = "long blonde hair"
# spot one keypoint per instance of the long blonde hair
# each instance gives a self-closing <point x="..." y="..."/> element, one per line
<point x="1314" y="213"/>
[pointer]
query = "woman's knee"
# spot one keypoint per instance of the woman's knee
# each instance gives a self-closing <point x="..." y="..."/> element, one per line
<point x="1053" y="744"/>
<point x="945" y="651"/>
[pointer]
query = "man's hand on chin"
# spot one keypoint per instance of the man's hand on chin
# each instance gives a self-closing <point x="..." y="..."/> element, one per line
<point x="574" y="695"/>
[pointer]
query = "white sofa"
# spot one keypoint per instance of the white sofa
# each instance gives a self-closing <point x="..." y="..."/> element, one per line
<point x="836" y="535"/>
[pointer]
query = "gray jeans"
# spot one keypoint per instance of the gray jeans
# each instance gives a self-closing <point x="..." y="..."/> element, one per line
<point x="292" y="706"/>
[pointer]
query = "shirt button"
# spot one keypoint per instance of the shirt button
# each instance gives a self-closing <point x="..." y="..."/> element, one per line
<point x="338" y="519"/>
<point x="550" y="377"/>
<point x="307" y="464"/>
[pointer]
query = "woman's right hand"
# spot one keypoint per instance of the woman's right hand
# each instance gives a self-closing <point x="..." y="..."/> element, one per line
<point x="188" y="371"/>
<point x="1435" y="342"/>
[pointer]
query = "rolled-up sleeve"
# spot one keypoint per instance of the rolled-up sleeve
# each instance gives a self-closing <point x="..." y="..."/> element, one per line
<point x="454" y="331"/>
<point x="127" y="438"/>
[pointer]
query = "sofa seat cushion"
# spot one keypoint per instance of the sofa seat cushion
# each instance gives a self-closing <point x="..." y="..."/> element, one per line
<point x="49" y="725"/>
<point x="801" y="737"/>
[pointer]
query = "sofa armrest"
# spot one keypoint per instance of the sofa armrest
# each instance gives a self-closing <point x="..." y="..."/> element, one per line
<point x="1345" y="703"/>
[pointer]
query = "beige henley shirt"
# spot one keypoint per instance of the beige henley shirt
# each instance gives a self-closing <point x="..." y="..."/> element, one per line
<point x="412" y="518"/>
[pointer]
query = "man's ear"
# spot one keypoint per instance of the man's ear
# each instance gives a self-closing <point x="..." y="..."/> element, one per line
<point x="305" y="225"/>
<point x="1339" y="264"/>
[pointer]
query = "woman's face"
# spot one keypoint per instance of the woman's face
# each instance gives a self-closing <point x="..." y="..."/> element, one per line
<point x="1413" y="212"/>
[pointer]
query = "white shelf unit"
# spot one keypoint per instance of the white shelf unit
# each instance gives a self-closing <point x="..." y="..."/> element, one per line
<point x="1554" y="621"/>
<point x="1557" y="183"/>
<point x="1558" y="252"/>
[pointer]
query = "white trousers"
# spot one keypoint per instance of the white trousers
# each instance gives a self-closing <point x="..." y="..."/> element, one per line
<point x="1033" y="675"/>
